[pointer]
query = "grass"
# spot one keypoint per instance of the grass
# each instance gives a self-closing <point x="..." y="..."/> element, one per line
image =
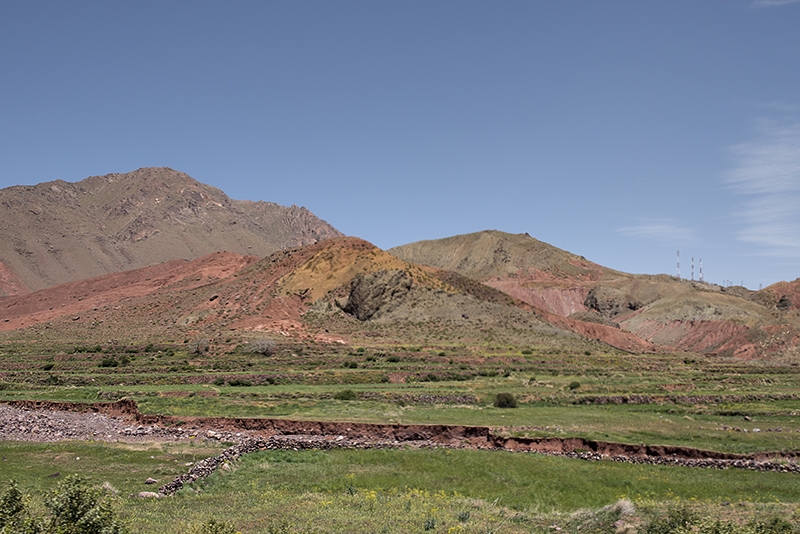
<point x="403" y="375"/>
<point x="391" y="490"/>
<point x="701" y="402"/>
<point x="125" y="466"/>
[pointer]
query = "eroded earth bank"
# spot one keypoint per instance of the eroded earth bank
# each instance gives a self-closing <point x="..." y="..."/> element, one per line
<point x="121" y="421"/>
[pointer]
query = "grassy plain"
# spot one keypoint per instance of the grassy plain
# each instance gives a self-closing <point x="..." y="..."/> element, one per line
<point x="399" y="491"/>
<point x="564" y="387"/>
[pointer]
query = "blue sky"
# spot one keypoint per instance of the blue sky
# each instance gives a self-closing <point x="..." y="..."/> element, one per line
<point x="621" y="130"/>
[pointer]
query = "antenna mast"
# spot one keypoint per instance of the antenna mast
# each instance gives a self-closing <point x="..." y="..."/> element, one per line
<point x="701" y="270"/>
<point x="678" y="271"/>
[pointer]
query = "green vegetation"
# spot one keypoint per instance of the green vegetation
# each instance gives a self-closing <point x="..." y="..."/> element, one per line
<point x="399" y="491"/>
<point x="505" y="400"/>
<point x="73" y="507"/>
<point x="409" y="375"/>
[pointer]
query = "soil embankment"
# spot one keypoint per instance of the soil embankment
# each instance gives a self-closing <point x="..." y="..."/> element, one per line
<point x="368" y="435"/>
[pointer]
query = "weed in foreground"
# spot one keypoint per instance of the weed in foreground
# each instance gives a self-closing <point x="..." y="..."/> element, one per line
<point x="74" y="508"/>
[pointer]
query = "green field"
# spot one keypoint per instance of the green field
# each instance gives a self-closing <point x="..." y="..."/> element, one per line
<point x="571" y="388"/>
<point x="397" y="491"/>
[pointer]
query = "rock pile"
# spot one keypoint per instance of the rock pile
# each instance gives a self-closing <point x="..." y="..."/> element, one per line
<point x="21" y="424"/>
<point x="44" y="425"/>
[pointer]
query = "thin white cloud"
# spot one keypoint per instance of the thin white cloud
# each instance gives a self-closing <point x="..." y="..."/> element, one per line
<point x="659" y="229"/>
<point x="772" y="3"/>
<point x="767" y="173"/>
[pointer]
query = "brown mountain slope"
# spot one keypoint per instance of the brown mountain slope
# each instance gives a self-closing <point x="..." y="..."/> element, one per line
<point x="77" y="298"/>
<point x="529" y="270"/>
<point x="588" y="299"/>
<point x="714" y="322"/>
<point x="493" y="254"/>
<point x="349" y="276"/>
<point x="336" y="279"/>
<point x="59" y="232"/>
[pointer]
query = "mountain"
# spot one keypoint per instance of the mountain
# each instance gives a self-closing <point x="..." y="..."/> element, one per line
<point x="578" y="295"/>
<point x="344" y="288"/>
<point x="57" y="232"/>
<point x="328" y="291"/>
<point x="525" y="268"/>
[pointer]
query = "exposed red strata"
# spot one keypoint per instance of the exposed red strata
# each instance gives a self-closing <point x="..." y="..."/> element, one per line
<point x="75" y="297"/>
<point x="10" y="283"/>
<point x="563" y="301"/>
<point x="479" y="437"/>
<point x="617" y="338"/>
<point x="697" y="336"/>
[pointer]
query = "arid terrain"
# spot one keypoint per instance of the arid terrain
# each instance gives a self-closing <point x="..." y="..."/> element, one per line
<point x="58" y="232"/>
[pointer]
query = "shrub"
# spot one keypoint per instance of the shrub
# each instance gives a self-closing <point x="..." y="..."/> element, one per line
<point x="574" y="385"/>
<point x="505" y="400"/>
<point x="240" y="382"/>
<point x="677" y="518"/>
<point x="198" y="345"/>
<point x="52" y="380"/>
<point x="108" y="361"/>
<point x="264" y="346"/>
<point x="346" y="394"/>
<point x="74" y="508"/>
<point x="47" y="366"/>
<point x="12" y="508"/>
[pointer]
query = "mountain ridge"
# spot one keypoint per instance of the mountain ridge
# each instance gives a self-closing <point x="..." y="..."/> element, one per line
<point x="57" y="232"/>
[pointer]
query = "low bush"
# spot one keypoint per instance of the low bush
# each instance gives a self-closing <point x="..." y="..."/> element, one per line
<point x="346" y="394"/>
<point x="239" y="382"/>
<point x="505" y="400"/>
<point x="74" y="508"/>
<point x="266" y="347"/>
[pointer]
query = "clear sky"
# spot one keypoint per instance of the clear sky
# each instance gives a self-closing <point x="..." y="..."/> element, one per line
<point x="621" y="130"/>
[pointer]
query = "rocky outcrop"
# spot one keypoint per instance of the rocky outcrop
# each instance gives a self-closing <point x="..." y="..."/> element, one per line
<point x="376" y="293"/>
<point x="609" y="301"/>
